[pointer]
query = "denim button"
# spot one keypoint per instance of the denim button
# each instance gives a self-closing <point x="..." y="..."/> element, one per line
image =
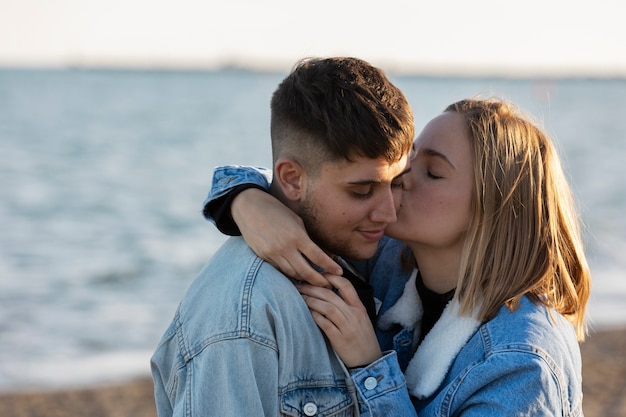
<point x="310" y="409"/>
<point x="370" y="383"/>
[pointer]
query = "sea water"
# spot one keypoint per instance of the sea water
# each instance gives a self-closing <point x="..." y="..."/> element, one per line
<point x="103" y="174"/>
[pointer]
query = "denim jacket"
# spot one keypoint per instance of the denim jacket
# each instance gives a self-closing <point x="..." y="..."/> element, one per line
<point x="243" y="343"/>
<point x="525" y="362"/>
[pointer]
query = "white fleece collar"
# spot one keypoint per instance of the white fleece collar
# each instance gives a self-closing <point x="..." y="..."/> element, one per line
<point x="407" y="311"/>
<point x="433" y="358"/>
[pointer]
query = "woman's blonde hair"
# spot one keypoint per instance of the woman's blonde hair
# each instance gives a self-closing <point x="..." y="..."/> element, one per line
<point x="524" y="236"/>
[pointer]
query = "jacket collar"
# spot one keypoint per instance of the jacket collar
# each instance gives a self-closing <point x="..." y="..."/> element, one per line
<point x="442" y="344"/>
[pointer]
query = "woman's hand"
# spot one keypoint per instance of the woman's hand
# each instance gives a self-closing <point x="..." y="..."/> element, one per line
<point x="344" y="320"/>
<point x="277" y="234"/>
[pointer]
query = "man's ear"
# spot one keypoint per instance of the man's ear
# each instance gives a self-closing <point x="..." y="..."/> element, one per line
<point x="290" y="176"/>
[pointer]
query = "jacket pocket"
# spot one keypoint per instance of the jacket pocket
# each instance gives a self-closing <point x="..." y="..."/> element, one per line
<point x="318" y="401"/>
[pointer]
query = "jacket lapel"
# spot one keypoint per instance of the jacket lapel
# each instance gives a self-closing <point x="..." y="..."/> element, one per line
<point x="435" y="354"/>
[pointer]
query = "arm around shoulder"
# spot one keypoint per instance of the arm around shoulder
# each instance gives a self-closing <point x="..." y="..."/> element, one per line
<point x="228" y="178"/>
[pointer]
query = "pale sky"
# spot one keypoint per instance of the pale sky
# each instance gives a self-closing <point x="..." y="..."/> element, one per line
<point x="571" y="37"/>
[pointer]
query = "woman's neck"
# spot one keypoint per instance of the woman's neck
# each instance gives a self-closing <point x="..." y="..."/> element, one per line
<point x="439" y="268"/>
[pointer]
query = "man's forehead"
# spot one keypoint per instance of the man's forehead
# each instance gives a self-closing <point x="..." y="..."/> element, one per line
<point x="361" y="170"/>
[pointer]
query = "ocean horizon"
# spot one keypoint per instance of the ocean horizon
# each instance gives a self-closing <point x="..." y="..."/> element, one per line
<point x="277" y="65"/>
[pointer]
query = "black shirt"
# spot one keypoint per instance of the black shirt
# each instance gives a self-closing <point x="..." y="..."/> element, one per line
<point x="433" y="304"/>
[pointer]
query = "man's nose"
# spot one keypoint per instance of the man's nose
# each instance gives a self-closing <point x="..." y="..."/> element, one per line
<point x="385" y="210"/>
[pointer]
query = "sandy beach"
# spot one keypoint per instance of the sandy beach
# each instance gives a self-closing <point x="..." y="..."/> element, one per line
<point x="604" y="387"/>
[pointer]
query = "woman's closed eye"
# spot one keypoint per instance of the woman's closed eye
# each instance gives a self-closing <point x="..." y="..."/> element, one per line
<point x="430" y="174"/>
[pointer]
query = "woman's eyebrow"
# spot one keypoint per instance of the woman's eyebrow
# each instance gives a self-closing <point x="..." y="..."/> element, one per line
<point x="406" y="171"/>
<point x="436" y="154"/>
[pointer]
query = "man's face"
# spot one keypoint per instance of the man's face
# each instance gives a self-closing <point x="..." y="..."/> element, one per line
<point x="348" y="205"/>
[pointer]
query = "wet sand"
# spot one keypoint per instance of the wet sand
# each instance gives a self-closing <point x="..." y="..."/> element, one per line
<point x="604" y="388"/>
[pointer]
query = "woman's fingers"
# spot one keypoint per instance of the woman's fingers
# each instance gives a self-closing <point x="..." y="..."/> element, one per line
<point x="346" y="290"/>
<point x="309" y="251"/>
<point x="342" y="317"/>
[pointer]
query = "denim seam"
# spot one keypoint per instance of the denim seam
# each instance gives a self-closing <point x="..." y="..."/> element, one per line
<point x="246" y="294"/>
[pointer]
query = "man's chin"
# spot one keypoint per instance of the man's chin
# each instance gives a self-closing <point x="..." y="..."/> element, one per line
<point x="361" y="253"/>
<point x="355" y="249"/>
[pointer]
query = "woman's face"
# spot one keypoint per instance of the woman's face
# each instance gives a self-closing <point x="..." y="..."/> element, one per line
<point x="436" y="202"/>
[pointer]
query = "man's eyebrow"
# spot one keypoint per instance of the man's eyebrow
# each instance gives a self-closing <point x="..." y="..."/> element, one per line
<point x="370" y="182"/>
<point x="365" y="182"/>
<point x="436" y="154"/>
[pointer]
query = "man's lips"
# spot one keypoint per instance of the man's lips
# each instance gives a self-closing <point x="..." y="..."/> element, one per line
<point x="375" y="234"/>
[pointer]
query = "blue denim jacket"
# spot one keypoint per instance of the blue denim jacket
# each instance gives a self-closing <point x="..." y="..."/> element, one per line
<point x="525" y="362"/>
<point x="243" y="343"/>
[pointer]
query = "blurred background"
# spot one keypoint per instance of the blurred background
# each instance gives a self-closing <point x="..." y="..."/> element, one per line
<point x="114" y="113"/>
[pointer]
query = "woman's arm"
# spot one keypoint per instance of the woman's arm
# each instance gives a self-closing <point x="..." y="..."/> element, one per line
<point x="273" y="231"/>
<point x="277" y="234"/>
<point x="382" y="389"/>
<point x="227" y="182"/>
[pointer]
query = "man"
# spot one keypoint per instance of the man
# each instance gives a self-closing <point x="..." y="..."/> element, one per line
<point x="243" y="342"/>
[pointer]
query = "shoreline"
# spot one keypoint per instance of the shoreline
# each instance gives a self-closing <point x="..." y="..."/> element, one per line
<point x="604" y="389"/>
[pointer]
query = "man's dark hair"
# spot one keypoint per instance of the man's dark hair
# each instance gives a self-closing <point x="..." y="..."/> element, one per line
<point x="329" y="109"/>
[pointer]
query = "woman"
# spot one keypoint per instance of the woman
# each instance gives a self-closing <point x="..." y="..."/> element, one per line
<point x="497" y="287"/>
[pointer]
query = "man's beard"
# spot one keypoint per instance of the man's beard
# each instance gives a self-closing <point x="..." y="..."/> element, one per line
<point x="310" y="217"/>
